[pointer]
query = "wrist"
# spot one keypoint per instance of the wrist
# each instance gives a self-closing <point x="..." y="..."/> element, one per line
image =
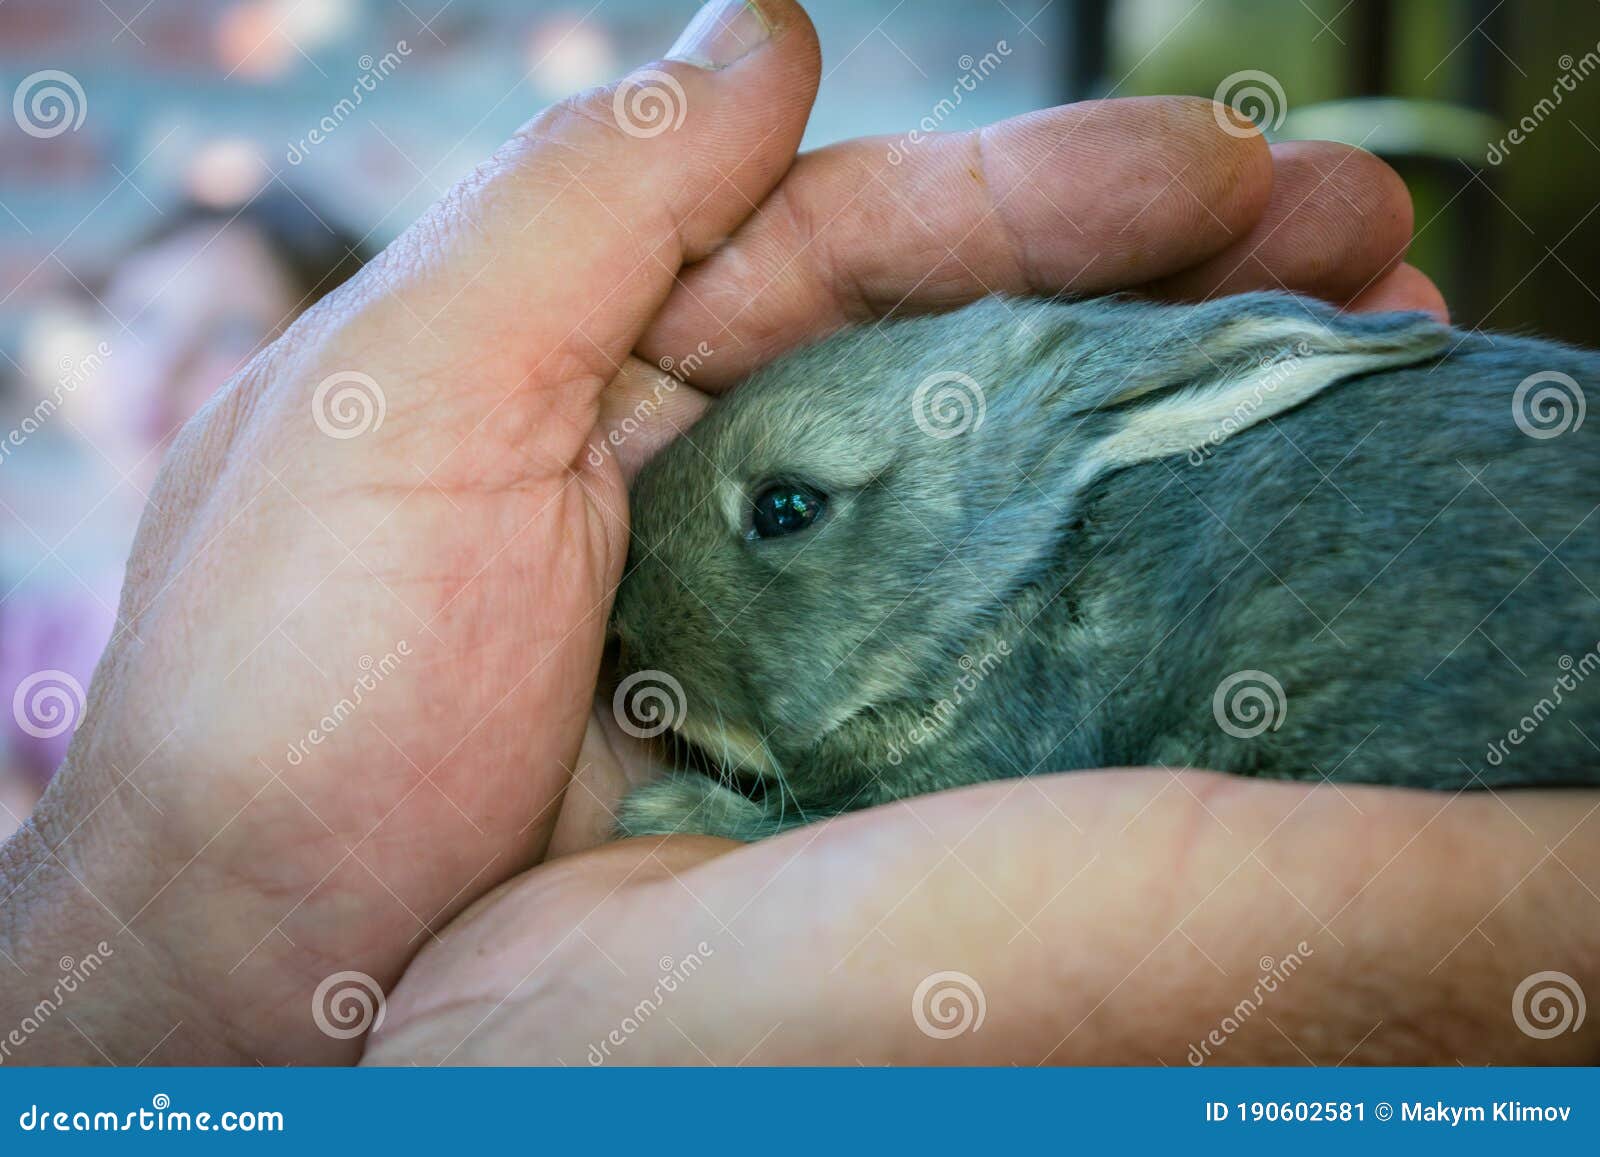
<point x="84" y="986"/>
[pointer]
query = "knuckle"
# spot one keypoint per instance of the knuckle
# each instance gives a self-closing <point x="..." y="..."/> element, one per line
<point x="577" y="124"/>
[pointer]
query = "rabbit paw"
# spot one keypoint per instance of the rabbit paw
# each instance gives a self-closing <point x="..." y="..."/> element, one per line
<point x="689" y="804"/>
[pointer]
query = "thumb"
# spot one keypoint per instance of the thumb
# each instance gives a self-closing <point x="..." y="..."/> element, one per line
<point x="556" y="252"/>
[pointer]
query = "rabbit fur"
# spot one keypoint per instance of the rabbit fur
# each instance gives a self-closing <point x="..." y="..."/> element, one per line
<point x="1254" y="535"/>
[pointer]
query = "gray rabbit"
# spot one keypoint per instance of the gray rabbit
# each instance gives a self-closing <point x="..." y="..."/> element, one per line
<point x="1254" y="535"/>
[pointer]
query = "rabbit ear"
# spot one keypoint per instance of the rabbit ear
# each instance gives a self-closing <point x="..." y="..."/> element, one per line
<point x="1211" y="371"/>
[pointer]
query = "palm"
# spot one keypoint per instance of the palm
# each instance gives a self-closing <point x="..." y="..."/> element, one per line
<point x="612" y="760"/>
<point x="472" y="527"/>
<point x="453" y="601"/>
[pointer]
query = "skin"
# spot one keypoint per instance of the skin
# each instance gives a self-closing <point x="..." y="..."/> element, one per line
<point x="230" y="880"/>
<point x="1111" y="917"/>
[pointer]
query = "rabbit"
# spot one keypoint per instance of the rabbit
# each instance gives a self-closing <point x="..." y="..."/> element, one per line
<point x="1255" y="535"/>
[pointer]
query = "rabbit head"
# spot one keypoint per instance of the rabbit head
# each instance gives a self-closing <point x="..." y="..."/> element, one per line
<point x="827" y="541"/>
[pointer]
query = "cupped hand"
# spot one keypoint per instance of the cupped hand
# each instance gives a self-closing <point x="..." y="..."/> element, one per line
<point x="354" y="668"/>
<point x="1105" y="917"/>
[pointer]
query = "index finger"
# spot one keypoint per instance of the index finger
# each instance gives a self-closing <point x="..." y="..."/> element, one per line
<point x="1086" y="198"/>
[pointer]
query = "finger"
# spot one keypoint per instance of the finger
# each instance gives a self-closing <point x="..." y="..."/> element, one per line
<point x="1085" y="198"/>
<point x="642" y="410"/>
<point x="1391" y="894"/>
<point x="553" y="255"/>
<point x="1338" y="220"/>
<point x="1405" y="287"/>
<point x="490" y="946"/>
<point x="614" y="763"/>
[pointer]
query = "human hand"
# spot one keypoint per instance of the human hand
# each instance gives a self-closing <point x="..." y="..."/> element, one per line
<point x="1107" y="917"/>
<point x="224" y="819"/>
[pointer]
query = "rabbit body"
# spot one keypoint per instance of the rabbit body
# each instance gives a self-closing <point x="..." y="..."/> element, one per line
<point x="1253" y="536"/>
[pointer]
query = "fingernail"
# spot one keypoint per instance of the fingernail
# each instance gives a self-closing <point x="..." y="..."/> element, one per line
<point x="722" y="32"/>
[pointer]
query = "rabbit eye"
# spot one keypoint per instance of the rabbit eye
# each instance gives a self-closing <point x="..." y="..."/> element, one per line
<point x="785" y="509"/>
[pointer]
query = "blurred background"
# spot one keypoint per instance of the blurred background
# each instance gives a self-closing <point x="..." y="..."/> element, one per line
<point x="178" y="178"/>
